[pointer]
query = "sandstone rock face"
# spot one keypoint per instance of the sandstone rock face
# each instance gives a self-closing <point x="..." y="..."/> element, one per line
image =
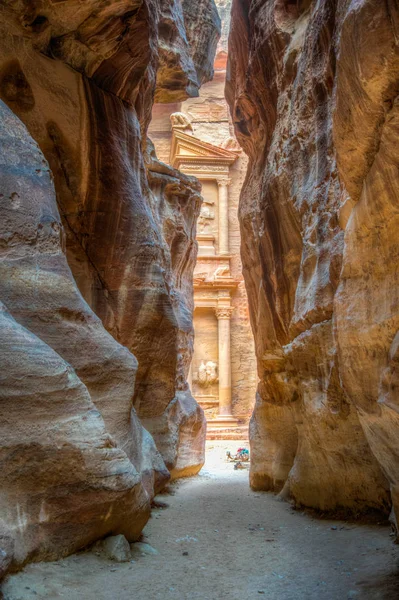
<point x="65" y="482"/>
<point x="96" y="275"/>
<point x="313" y="91"/>
<point x="62" y="472"/>
<point x="133" y="274"/>
<point x="162" y="396"/>
<point x="188" y="36"/>
<point x="38" y="284"/>
<point x="203" y="28"/>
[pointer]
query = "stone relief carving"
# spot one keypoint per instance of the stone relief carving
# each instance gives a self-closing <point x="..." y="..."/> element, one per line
<point x="207" y="374"/>
<point x="180" y="121"/>
<point x="223" y="181"/>
<point x="231" y="144"/>
<point x="206" y="215"/>
<point x="200" y="278"/>
<point x="222" y="271"/>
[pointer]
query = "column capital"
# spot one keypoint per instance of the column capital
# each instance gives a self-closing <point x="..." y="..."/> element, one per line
<point x="223" y="181"/>
<point x="224" y="312"/>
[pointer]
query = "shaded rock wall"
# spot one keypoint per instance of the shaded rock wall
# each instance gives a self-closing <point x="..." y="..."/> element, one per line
<point x="96" y="277"/>
<point x="67" y="420"/>
<point x="313" y="91"/>
<point x="188" y="36"/>
<point x="203" y="26"/>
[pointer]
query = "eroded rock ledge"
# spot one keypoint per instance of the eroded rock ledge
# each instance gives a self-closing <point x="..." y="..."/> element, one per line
<point x="313" y="90"/>
<point x="97" y="249"/>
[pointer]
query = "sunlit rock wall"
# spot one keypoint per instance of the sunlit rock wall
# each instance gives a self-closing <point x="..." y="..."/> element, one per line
<point x="313" y="91"/>
<point x="96" y="274"/>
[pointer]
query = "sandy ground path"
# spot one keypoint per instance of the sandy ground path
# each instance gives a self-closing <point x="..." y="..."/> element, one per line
<point x="218" y="540"/>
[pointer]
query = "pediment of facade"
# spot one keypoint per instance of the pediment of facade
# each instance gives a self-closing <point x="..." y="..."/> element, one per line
<point x="189" y="150"/>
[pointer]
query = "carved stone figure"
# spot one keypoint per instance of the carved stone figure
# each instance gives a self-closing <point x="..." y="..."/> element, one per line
<point x="231" y="144"/>
<point x="211" y="372"/>
<point x="200" y="278"/>
<point x="180" y="121"/>
<point x="207" y="374"/>
<point x="206" y="215"/>
<point x="222" y="271"/>
<point x="202" y="378"/>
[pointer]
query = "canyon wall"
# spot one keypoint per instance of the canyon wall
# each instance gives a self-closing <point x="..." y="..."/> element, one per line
<point x="313" y="91"/>
<point x="97" y="241"/>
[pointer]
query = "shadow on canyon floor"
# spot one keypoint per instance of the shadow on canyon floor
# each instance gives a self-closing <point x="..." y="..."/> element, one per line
<point x="385" y="587"/>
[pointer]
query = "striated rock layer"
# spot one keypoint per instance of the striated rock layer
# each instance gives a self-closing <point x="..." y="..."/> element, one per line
<point x="97" y="250"/>
<point x="313" y="90"/>
<point x="67" y="420"/>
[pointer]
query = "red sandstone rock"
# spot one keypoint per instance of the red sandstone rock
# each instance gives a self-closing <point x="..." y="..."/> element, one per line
<point x="61" y="469"/>
<point x="82" y="77"/>
<point x="65" y="482"/>
<point x="188" y="34"/>
<point x="203" y="27"/>
<point x="91" y="132"/>
<point x="313" y="93"/>
<point x="37" y="284"/>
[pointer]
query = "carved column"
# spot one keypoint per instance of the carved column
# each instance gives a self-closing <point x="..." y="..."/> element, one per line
<point x="223" y="316"/>
<point x="224" y="215"/>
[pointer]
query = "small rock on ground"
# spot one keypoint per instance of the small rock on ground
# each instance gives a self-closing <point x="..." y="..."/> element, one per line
<point x="116" y="547"/>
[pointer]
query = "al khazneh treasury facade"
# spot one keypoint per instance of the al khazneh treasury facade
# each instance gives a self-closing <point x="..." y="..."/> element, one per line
<point x="197" y="137"/>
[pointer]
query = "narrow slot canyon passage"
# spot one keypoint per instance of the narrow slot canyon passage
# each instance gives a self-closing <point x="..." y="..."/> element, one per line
<point x="217" y="540"/>
<point x="197" y="137"/>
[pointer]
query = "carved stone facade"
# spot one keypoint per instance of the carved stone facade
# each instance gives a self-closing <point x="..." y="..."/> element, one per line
<point x="197" y="137"/>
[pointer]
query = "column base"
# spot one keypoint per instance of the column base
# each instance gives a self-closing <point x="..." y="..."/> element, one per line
<point x="223" y="421"/>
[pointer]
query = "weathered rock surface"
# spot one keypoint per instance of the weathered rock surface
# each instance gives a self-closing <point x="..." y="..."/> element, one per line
<point x="96" y="276"/>
<point x="203" y="28"/>
<point x="188" y="36"/>
<point x="313" y="90"/>
<point x="133" y="273"/>
<point x="36" y="282"/>
<point x="65" y="481"/>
